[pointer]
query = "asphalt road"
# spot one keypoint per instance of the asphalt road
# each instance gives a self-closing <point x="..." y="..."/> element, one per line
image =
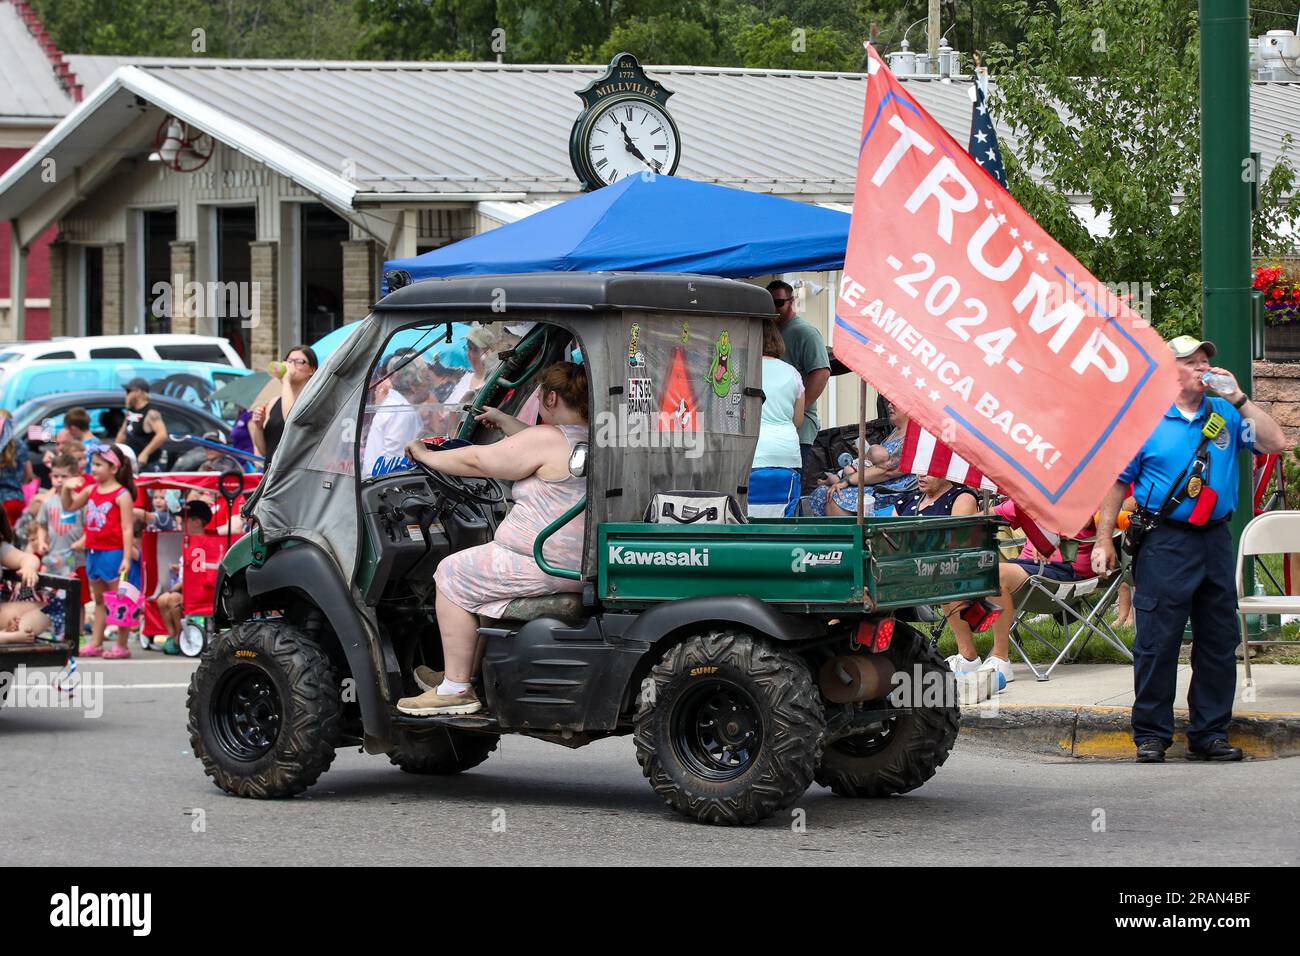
<point x="120" y="789"/>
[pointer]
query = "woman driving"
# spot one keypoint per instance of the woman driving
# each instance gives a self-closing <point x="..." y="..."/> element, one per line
<point x="483" y="580"/>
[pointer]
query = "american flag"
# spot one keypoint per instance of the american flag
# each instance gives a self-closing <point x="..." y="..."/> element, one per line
<point x="983" y="146"/>
<point x="923" y="454"/>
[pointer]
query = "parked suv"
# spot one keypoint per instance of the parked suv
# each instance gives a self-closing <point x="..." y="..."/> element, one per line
<point x="171" y="347"/>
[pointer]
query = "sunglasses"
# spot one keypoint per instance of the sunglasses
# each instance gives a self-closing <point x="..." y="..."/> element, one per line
<point x="296" y="361"/>
<point x="779" y="303"/>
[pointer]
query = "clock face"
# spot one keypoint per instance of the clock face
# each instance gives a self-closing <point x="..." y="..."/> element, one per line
<point x="630" y="136"/>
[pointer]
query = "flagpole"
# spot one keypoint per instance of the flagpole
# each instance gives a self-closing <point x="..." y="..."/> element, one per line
<point x="862" y="446"/>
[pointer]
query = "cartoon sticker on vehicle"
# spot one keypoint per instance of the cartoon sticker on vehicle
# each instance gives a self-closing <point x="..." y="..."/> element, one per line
<point x="678" y="408"/>
<point x="635" y="357"/>
<point x="720" y="375"/>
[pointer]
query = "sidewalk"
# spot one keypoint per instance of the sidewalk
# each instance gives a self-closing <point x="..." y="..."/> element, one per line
<point x="1084" y="711"/>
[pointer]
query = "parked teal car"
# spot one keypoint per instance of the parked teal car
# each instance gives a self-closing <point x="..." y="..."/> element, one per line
<point x="192" y="382"/>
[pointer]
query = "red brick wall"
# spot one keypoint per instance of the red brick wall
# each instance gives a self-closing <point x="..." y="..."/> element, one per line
<point x="38" y="263"/>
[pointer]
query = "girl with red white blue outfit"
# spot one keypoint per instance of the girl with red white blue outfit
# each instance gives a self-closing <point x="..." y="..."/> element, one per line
<point x="109" y="522"/>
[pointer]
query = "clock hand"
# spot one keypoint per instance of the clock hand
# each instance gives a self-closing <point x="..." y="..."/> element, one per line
<point x="631" y="146"/>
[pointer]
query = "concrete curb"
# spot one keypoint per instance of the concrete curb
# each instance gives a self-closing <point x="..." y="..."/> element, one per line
<point x="1103" y="733"/>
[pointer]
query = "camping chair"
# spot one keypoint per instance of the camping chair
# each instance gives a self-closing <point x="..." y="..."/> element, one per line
<point x="1274" y="532"/>
<point x="1081" y="606"/>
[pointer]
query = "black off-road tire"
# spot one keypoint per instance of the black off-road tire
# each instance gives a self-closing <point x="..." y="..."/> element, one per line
<point x="441" y="752"/>
<point x="257" y="670"/>
<point x="916" y="744"/>
<point x="779" y="707"/>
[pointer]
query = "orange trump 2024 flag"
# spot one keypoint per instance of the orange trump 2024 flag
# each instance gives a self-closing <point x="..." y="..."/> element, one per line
<point x="958" y="307"/>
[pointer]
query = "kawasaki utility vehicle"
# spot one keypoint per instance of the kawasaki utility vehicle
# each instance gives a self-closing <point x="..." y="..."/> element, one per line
<point x="747" y="659"/>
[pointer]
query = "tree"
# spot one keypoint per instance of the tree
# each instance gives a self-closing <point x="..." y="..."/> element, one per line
<point x="427" y="29"/>
<point x="1102" y="98"/>
<point x="309" y="29"/>
<point x="662" y="39"/>
<point x="780" y="45"/>
<point x="121" y="27"/>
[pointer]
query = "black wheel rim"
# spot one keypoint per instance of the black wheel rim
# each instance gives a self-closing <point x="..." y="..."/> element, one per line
<point x="870" y="743"/>
<point x="717" y="730"/>
<point x="246" y="713"/>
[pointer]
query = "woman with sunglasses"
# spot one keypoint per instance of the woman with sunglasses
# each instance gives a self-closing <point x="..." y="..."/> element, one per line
<point x="267" y="424"/>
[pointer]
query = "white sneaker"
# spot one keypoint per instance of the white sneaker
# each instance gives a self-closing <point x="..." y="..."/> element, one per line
<point x="1000" y="665"/>
<point x="959" y="665"/>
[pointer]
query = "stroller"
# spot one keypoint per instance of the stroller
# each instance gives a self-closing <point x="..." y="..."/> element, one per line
<point x="197" y="555"/>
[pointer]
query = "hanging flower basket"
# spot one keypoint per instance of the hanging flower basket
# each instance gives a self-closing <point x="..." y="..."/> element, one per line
<point x="1281" y="290"/>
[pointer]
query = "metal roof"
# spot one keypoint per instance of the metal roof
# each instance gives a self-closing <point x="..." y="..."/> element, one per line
<point x="401" y="127"/>
<point x="474" y="128"/>
<point x="360" y="133"/>
<point x="29" y="90"/>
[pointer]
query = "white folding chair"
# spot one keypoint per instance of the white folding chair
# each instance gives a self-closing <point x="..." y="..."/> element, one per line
<point x="1274" y="532"/>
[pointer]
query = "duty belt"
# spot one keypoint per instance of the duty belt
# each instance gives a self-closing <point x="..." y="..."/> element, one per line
<point x="1185" y="526"/>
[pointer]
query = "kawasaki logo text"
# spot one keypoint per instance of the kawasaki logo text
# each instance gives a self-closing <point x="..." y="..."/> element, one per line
<point x="694" y="558"/>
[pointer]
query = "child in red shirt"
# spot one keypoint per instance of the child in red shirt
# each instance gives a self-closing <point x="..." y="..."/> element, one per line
<point x="109" y="523"/>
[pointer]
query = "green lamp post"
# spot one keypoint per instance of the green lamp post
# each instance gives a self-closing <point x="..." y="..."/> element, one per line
<point x="1229" y="179"/>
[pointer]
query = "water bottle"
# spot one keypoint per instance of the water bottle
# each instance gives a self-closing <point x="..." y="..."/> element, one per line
<point x="1223" y="384"/>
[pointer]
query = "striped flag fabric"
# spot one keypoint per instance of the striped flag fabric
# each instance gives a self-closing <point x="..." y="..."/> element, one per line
<point x="923" y="454"/>
<point x="983" y="146"/>
<point x="1045" y="542"/>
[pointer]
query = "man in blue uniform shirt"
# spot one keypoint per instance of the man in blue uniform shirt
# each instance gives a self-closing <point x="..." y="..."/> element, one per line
<point x="1185" y="484"/>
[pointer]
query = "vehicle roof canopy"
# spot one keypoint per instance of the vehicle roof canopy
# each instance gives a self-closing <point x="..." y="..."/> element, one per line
<point x="583" y="291"/>
<point x="680" y="356"/>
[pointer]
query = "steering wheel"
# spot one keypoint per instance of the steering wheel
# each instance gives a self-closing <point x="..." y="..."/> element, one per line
<point x="478" y="491"/>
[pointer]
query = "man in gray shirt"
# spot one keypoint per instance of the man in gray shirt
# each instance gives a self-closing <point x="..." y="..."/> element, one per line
<point x="806" y="351"/>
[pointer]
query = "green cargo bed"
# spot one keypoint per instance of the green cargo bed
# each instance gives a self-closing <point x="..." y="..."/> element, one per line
<point x="807" y="564"/>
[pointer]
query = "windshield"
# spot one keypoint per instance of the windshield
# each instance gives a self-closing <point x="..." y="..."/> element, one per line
<point x="422" y="387"/>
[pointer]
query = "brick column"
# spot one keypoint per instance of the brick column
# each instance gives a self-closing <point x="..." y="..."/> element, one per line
<point x="114" y="293"/>
<point x="183" y="318"/>
<point x="360" y="278"/>
<point x="58" y="288"/>
<point x="1277" y="389"/>
<point x="264" y="335"/>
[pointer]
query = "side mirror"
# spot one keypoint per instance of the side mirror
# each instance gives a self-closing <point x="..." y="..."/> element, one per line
<point x="578" y="460"/>
<point x="231" y="485"/>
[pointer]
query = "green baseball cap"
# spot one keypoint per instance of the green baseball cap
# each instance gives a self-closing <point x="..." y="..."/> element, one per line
<point x="1185" y="345"/>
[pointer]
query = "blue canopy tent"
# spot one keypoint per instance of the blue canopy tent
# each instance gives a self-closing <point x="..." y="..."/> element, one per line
<point x="652" y="224"/>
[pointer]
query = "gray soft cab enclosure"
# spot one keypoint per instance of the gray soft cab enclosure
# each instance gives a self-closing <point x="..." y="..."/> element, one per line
<point x="675" y="372"/>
